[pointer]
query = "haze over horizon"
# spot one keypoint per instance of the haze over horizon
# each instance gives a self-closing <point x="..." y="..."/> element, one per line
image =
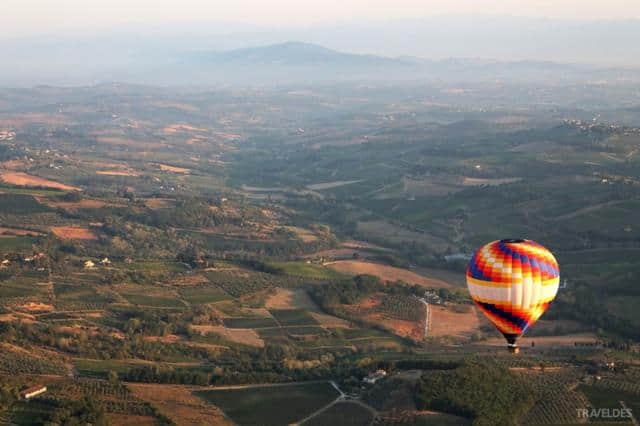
<point x="41" y="17"/>
<point x="117" y="41"/>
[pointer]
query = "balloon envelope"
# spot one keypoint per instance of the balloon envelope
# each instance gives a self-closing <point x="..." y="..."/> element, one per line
<point x="512" y="282"/>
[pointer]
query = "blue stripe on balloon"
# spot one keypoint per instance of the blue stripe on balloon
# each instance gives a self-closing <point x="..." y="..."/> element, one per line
<point x="521" y="323"/>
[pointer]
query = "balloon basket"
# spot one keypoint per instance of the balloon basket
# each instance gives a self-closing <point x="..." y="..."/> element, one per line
<point x="513" y="349"/>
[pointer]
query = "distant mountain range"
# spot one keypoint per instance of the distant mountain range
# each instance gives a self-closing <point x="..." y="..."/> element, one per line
<point x="301" y="54"/>
<point x="275" y="64"/>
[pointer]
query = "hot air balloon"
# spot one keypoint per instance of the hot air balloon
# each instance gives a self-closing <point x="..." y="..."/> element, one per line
<point x="512" y="282"/>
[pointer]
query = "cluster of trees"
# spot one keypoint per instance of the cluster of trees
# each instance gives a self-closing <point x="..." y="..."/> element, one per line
<point x="188" y="213"/>
<point x="584" y="303"/>
<point x="8" y="395"/>
<point x="486" y="393"/>
<point x="86" y="411"/>
<point x="99" y="346"/>
<point x="347" y="291"/>
<point x="237" y="367"/>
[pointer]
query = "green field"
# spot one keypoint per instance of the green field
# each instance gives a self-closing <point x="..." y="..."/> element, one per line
<point x="203" y="295"/>
<point x="155" y="266"/>
<point x="342" y="414"/>
<point x="269" y="406"/>
<point x="20" y="204"/>
<point x="307" y="270"/>
<point x="153" y="301"/>
<point x="277" y="332"/>
<point x="78" y="296"/>
<point x="17" y="243"/>
<point x="32" y="413"/>
<point x="249" y="322"/>
<point x="73" y="291"/>
<point x="601" y="397"/>
<point x="100" y="368"/>
<point x="293" y="317"/>
<point x="18" y="288"/>
<point x="434" y="419"/>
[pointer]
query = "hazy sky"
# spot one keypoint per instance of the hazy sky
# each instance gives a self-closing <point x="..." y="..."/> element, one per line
<point x="25" y="17"/>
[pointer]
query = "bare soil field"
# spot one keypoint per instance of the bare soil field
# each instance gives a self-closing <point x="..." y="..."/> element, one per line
<point x="285" y="298"/>
<point x="237" y="335"/>
<point x="21" y="232"/>
<point x="343" y="253"/>
<point x="117" y="173"/>
<point x="411" y="329"/>
<point x="549" y="341"/>
<point x="445" y="322"/>
<point x="74" y="205"/>
<point x="302" y="234"/>
<point x="384" y="272"/>
<point x="109" y="165"/>
<point x="363" y="245"/>
<point x="175" y="105"/>
<point x="14" y="164"/>
<point x="179" y="404"/>
<point x="191" y="280"/>
<point x="73" y="233"/>
<point x="467" y="181"/>
<point x="169" y="338"/>
<point x="329" y="185"/>
<point x="175" y="128"/>
<point x="172" y="169"/>
<point x="37" y="307"/>
<point x="159" y="203"/>
<point x="24" y="179"/>
<point x="329" y="321"/>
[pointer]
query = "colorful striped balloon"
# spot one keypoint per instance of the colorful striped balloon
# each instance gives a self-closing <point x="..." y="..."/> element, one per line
<point x="512" y="282"/>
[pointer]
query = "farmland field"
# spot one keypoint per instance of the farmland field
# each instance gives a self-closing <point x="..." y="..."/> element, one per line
<point x="155" y="301"/>
<point x="201" y="295"/>
<point x="285" y="298"/>
<point x="444" y="321"/>
<point x="20" y="204"/>
<point x="16" y="243"/>
<point x="268" y="406"/>
<point x="255" y="322"/>
<point x="293" y="317"/>
<point x="73" y="233"/>
<point x="307" y="270"/>
<point x="286" y="234"/>
<point x="15" y="288"/>
<point x="301" y="330"/>
<point x="603" y="397"/>
<point x="342" y="414"/>
<point x="179" y="404"/>
<point x="236" y="335"/>
<point x="24" y="179"/>
<point x="384" y="272"/>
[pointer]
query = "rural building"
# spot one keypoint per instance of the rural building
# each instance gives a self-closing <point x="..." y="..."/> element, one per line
<point x="372" y="378"/>
<point x="33" y="391"/>
<point x="432" y="297"/>
<point x="36" y="256"/>
<point x="89" y="265"/>
<point x="458" y="256"/>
